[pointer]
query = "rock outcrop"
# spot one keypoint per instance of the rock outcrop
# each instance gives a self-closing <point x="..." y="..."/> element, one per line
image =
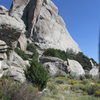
<point x="45" y="28"/>
<point x="95" y="69"/>
<point x="14" y="68"/>
<point x="11" y="64"/>
<point x="55" y="66"/>
<point x="44" y="24"/>
<point x="10" y="27"/>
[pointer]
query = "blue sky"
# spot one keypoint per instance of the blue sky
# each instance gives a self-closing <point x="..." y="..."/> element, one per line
<point x="82" y="18"/>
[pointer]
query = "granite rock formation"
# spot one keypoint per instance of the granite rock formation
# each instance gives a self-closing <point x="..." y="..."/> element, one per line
<point x="45" y="29"/>
<point x="56" y="65"/>
<point x="45" y="26"/>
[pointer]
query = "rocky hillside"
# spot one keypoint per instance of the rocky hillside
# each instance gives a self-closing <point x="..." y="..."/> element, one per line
<point x="32" y="35"/>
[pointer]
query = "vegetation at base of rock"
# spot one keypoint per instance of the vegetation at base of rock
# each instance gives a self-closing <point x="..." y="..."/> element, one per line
<point x="97" y="93"/>
<point x="21" y="54"/>
<point x="32" y="48"/>
<point x="71" y="89"/>
<point x="87" y="86"/>
<point x="12" y="90"/>
<point x="37" y="74"/>
<point x="55" y="53"/>
<point x="80" y="57"/>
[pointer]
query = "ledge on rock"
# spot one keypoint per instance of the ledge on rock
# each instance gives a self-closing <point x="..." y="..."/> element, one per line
<point x="10" y="29"/>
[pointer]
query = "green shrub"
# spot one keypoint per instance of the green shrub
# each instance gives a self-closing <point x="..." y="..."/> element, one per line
<point x="31" y="47"/>
<point x="97" y="93"/>
<point x="80" y="57"/>
<point x="91" y="88"/>
<point x="27" y="34"/>
<point x="21" y="54"/>
<point x="84" y="61"/>
<point x="77" y="86"/>
<point x="52" y="87"/>
<point x="37" y="75"/>
<point x="55" y="53"/>
<point x="67" y="80"/>
<point x="85" y="81"/>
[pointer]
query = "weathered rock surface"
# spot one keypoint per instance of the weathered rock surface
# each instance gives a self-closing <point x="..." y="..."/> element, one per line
<point x="3" y="10"/>
<point x="14" y="68"/>
<point x="44" y="59"/>
<point x="75" y="67"/>
<point x="95" y="70"/>
<point x="44" y="24"/>
<point x="3" y="50"/>
<point x="22" y="42"/>
<point x="55" y="65"/>
<point x="11" y="34"/>
<point x="10" y="29"/>
<point x="17" y="8"/>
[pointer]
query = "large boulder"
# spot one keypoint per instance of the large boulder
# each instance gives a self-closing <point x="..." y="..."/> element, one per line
<point x="55" y="66"/>
<point x="44" y="24"/>
<point x="75" y="67"/>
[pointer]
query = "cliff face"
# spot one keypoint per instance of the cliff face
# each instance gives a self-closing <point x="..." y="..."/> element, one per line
<point x="45" y="26"/>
